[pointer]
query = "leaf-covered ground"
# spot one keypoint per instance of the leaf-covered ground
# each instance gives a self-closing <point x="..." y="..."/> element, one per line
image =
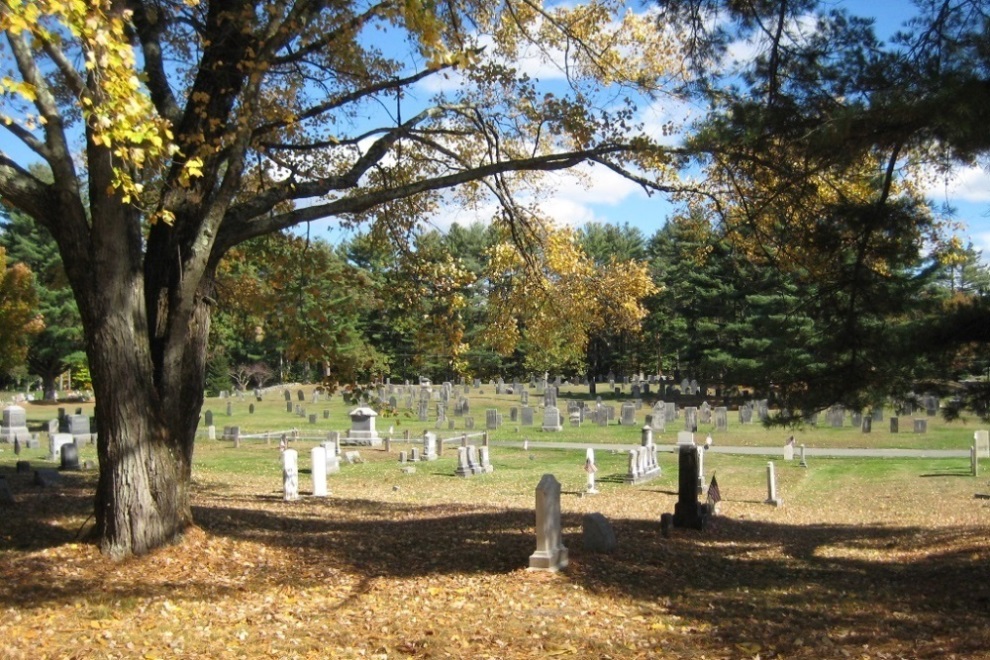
<point x="409" y="566"/>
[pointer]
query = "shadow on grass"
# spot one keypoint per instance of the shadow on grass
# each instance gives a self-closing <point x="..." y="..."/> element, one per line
<point x="923" y="590"/>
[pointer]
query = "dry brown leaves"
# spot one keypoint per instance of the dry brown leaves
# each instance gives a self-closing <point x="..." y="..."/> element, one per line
<point x="378" y="573"/>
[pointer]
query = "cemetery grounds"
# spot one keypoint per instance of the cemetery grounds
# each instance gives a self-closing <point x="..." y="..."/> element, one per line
<point x="867" y="557"/>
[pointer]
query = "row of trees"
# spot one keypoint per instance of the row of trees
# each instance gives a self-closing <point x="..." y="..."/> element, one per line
<point x="700" y="305"/>
<point x="155" y="138"/>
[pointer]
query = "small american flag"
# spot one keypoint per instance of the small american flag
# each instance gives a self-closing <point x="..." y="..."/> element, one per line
<point x="714" y="496"/>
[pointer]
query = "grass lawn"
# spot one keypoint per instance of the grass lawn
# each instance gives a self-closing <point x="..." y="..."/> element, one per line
<point x="867" y="558"/>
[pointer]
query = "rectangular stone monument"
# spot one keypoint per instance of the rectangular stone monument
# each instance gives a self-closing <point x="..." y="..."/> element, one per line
<point x="319" y="471"/>
<point x="491" y="419"/>
<point x="921" y="425"/>
<point x="628" y="414"/>
<point x="721" y="419"/>
<point x="550" y="554"/>
<point x="551" y="419"/>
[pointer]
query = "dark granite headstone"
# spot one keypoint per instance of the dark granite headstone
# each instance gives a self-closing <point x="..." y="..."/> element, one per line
<point x="688" y="512"/>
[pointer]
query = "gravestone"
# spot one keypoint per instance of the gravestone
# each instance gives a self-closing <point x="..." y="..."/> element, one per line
<point x="208" y="418"/>
<point x="551" y="419"/>
<point x="688" y="512"/>
<point x="772" y="486"/>
<point x="628" y="415"/>
<point x="319" y="471"/>
<point x="429" y="446"/>
<point x="867" y="424"/>
<point x="894" y="424"/>
<point x="363" y="427"/>
<point x="550" y="554"/>
<point x="332" y="457"/>
<point x="491" y="419"/>
<point x="597" y="534"/>
<point x="300" y="395"/>
<point x="463" y="466"/>
<point x="14" y="425"/>
<point x="70" y="456"/>
<point x="721" y="418"/>
<point x="690" y="419"/>
<point x="685" y="438"/>
<point x="590" y="469"/>
<point x="47" y="477"/>
<point x="526" y="415"/>
<point x="288" y="406"/>
<point x="290" y="474"/>
<point x="251" y="409"/>
<point x="288" y="395"/>
<point x="921" y="425"/>
<point x="484" y="461"/>
<point x="55" y="444"/>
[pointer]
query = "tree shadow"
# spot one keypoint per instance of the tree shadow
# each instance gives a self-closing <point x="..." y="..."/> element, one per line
<point x="923" y="590"/>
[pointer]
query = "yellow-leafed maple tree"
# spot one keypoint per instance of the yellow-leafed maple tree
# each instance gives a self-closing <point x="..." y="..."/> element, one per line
<point x="548" y="304"/>
<point x="153" y="114"/>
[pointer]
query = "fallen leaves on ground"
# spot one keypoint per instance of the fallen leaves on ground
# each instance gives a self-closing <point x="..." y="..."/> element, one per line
<point x="360" y="575"/>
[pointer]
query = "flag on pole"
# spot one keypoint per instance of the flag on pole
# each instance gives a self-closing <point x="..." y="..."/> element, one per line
<point x="714" y="496"/>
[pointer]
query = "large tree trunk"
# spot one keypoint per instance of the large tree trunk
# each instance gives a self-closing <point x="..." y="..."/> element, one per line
<point x="142" y="499"/>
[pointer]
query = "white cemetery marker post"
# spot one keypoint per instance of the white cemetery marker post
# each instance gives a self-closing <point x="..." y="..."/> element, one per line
<point x="290" y="474"/>
<point x="804" y="461"/>
<point x="590" y="468"/>
<point x="771" y="486"/>
<point x="319" y="457"/>
<point x="550" y="555"/>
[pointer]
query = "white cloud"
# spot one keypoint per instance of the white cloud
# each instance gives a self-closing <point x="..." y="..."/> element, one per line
<point x="967" y="184"/>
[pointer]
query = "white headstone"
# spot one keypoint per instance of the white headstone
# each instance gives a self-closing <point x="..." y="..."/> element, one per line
<point x="982" y="440"/>
<point x="290" y="474"/>
<point x="319" y="471"/>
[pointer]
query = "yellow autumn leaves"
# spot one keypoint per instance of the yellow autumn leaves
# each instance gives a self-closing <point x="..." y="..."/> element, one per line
<point x="550" y="304"/>
<point x="111" y="95"/>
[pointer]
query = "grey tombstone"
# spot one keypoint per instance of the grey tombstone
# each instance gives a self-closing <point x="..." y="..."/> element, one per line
<point x="628" y="414"/>
<point x="550" y="554"/>
<point x="721" y="418"/>
<point x="429" y="446"/>
<point x="526" y="416"/>
<point x="551" y="419"/>
<point x="491" y="419"/>
<point x="319" y="471"/>
<point x="690" y="418"/>
<point x="332" y="456"/>
<point x="14" y="425"/>
<point x="597" y="534"/>
<point x="463" y="467"/>
<point x="300" y="395"/>
<point x="288" y="406"/>
<point x="290" y="474"/>
<point x="513" y="414"/>
<point x="423" y="410"/>
<point x="867" y="424"/>
<point x="230" y="409"/>
<point x="312" y="419"/>
<point x="288" y="395"/>
<point x="705" y="413"/>
<point x="414" y="454"/>
<point x="251" y="409"/>
<point x="894" y="424"/>
<point x="745" y="414"/>
<point x="208" y="418"/>
<point x="484" y="461"/>
<point x="70" y="456"/>
<point x="363" y="426"/>
<point x="921" y="425"/>
<point x="857" y="419"/>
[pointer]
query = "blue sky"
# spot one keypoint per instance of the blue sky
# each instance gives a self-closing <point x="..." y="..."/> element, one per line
<point x="607" y="198"/>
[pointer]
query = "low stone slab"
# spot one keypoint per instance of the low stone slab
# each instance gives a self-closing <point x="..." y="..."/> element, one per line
<point x="47" y="477"/>
<point x="597" y="534"/>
